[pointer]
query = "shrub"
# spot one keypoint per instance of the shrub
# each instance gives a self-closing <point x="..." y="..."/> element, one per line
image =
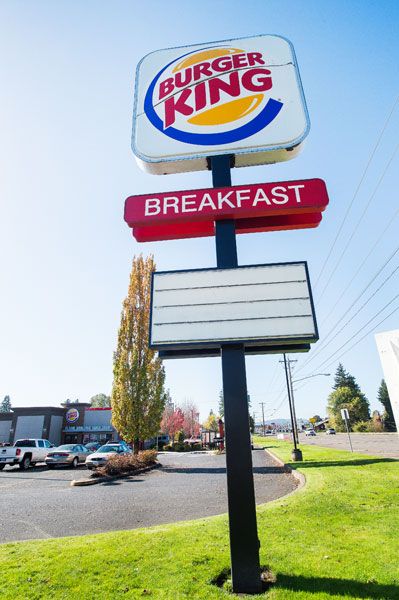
<point x="196" y="447"/>
<point x="361" y="427"/>
<point x="126" y="463"/>
<point x="368" y="427"/>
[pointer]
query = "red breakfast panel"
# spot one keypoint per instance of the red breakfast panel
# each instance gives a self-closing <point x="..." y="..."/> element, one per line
<point x="206" y="228"/>
<point x="235" y="202"/>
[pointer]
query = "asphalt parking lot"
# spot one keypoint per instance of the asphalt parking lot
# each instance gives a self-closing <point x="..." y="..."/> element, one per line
<point x="39" y="503"/>
<point x="376" y="444"/>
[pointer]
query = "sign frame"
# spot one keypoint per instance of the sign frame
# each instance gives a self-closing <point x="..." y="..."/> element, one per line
<point x="244" y="155"/>
<point x="174" y="348"/>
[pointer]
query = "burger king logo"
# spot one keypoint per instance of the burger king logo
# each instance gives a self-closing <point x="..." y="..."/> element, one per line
<point x="217" y="95"/>
<point x="72" y="415"/>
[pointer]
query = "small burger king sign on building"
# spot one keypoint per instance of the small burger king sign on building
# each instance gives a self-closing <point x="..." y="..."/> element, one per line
<point x="243" y="97"/>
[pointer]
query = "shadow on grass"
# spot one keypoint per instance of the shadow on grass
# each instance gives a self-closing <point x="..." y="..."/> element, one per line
<point x="342" y="587"/>
<point x="341" y="463"/>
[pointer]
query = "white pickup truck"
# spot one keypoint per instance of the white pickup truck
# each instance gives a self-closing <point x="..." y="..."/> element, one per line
<point x="24" y="453"/>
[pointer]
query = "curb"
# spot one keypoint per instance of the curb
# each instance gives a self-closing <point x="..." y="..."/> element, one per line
<point x="95" y="481"/>
<point x="300" y="477"/>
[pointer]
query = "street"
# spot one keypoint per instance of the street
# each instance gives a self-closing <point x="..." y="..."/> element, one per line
<point x="39" y="503"/>
<point x="376" y="444"/>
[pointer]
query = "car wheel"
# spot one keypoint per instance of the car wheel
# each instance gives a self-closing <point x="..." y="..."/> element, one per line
<point x="50" y="466"/>
<point x="2" y="467"/>
<point x="75" y="462"/>
<point x="25" y="463"/>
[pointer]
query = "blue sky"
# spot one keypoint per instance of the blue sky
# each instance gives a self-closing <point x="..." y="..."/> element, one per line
<point x="67" y="75"/>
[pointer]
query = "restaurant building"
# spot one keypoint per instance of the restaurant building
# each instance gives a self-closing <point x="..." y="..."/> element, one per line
<point x="72" y="422"/>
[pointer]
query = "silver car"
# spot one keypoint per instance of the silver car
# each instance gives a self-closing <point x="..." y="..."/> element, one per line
<point x="100" y="457"/>
<point x="67" y="455"/>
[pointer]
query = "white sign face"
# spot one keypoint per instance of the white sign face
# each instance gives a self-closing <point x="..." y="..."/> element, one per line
<point x="345" y="414"/>
<point x="241" y="96"/>
<point x="388" y="349"/>
<point x="265" y="304"/>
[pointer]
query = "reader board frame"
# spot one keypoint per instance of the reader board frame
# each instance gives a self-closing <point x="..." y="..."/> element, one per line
<point x="259" y="346"/>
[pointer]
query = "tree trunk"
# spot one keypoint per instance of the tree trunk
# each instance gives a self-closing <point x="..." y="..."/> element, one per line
<point x="136" y="444"/>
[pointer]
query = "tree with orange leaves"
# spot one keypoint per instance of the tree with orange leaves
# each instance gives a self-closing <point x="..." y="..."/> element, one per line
<point x="138" y="396"/>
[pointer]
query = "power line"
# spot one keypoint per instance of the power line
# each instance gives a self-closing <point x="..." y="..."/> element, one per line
<point x="371" y="281"/>
<point x="359" y="222"/>
<point x="326" y="343"/>
<point x="359" y="331"/>
<point x="356" y="191"/>
<point x="345" y="288"/>
<point x="365" y="335"/>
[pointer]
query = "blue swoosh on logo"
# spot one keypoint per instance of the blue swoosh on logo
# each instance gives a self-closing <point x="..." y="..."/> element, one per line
<point x="264" y="118"/>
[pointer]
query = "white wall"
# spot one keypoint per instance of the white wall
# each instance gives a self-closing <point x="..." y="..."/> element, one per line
<point x="30" y="426"/>
<point x="5" y="431"/>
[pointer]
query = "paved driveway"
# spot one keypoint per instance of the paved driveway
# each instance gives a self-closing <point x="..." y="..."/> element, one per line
<point x="39" y="503"/>
<point x="377" y="444"/>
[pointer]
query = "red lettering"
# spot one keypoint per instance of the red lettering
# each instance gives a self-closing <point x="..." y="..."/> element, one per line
<point x="223" y="63"/>
<point x="166" y="87"/>
<point x="200" y="95"/>
<point x="257" y="80"/>
<point x="239" y="60"/>
<point x="231" y="87"/>
<point x="177" y="104"/>
<point x="202" y="69"/>
<point x="183" y="78"/>
<point x="255" y="58"/>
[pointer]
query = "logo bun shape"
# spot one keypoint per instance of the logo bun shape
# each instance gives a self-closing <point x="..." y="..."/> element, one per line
<point x="212" y="96"/>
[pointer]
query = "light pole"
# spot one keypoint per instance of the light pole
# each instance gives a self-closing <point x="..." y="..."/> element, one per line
<point x="309" y="376"/>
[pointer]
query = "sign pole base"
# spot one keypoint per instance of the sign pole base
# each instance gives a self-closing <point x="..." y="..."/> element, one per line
<point x="244" y="542"/>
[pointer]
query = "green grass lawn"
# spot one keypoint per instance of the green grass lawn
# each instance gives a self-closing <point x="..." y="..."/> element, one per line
<point x="335" y="538"/>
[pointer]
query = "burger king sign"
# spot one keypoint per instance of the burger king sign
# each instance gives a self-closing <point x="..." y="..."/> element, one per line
<point x="242" y="97"/>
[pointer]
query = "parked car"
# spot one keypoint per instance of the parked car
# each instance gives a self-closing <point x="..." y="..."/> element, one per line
<point x="67" y="455"/>
<point x="331" y="431"/>
<point x="24" y="453"/>
<point x="310" y="432"/>
<point x="100" y="457"/>
<point x="93" y="446"/>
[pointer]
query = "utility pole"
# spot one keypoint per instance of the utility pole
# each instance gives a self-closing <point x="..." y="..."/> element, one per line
<point x="263" y="418"/>
<point x="296" y="453"/>
<point x="289" y="361"/>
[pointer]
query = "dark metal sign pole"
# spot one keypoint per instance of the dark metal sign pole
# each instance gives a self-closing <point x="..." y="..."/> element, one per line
<point x="244" y="542"/>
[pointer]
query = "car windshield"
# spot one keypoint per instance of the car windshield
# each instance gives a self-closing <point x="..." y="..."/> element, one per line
<point x="66" y="447"/>
<point x="107" y="448"/>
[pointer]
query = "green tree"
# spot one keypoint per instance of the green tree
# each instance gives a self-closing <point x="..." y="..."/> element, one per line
<point x="344" y="379"/>
<point x="251" y="424"/>
<point x="138" y="397"/>
<point x="100" y="401"/>
<point x="211" y="422"/>
<point x="5" y="406"/>
<point x="387" y="417"/>
<point x="344" y="397"/>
